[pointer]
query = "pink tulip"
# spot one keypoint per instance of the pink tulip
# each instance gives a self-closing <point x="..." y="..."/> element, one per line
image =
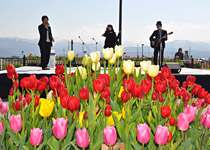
<point x="206" y="121"/>
<point x="60" y="128"/>
<point x="183" y="122"/>
<point x="110" y="135"/>
<point x="191" y="112"/>
<point x="36" y="137"/>
<point x="202" y="117"/>
<point x="4" y="108"/>
<point x="143" y="133"/>
<point x="161" y="135"/>
<point x="199" y="103"/>
<point x="1" y="127"/>
<point x="1" y="103"/>
<point x="16" y="123"/>
<point x="208" y="111"/>
<point x="82" y="138"/>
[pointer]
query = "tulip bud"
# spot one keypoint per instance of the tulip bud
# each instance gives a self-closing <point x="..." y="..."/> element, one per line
<point x="119" y="50"/>
<point x="202" y="93"/>
<point x="74" y="103"/>
<point x="190" y="80"/>
<point x="113" y="59"/>
<point x="160" y="86"/>
<point x="85" y="60"/>
<point x="16" y="123"/>
<point x="59" y="70"/>
<point x="125" y="96"/>
<point x="172" y="121"/>
<point x="161" y="135"/>
<point x="154" y="96"/>
<point x="4" y="108"/>
<point x="136" y="90"/>
<point x="60" y="128"/>
<point x="95" y="56"/>
<point x="82" y="138"/>
<point x="191" y="112"/>
<point x="128" y="66"/>
<point x="1" y="127"/>
<point x="145" y="66"/>
<point x="96" y="66"/>
<point x="138" y="71"/>
<point x="84" y="93"/>
<point x="98" y="84"/>
<point x="169" y="137"/>
<point x="36" y="137"/>
<point x="54" y="82"/>
<point x="153" y="70"/>
<point x="108" y="110"/>
<point x="186" y="96"/>
<point x="82" y="71"/>
<point x="108" y="53"/>
<point x="110" y="135"/>
<point x="143" y="133"/>
<point x="64" y="100"/>
<point x="46" y="107"/>
<point x="206" y="121"/>
<point x="70" y="55"/>
<point x="165" y="111"/>
<point x="201" y="120"/>
<point x="106" y="93"/>
<point x="183" y="122"/>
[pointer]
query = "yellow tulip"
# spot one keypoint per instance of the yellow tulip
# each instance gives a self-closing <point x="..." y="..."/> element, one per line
<point x="121" y="90"/>
<point x="95" y="67"/>
<point x="49" y="95"/>
<point x="149" y="118"/>
<point x="153" y="70"/>
<point x="128" y="66"/>
<point x="113" y="59"/>
<point x="85" y="60"/>
<point x="70" y="55"/>
<point x="81" y="120"/>
<point x="83" y="72"/>
<point x="145" y="65"/>
<point x="123" y="113"/>
<point x="95" y="56"/>
<point x="108" y="53"/>
<point x="119" y="50"/>
<point x="110" y="120"/>
<point x="138" y="70"/>
<point x="46" y="107"/>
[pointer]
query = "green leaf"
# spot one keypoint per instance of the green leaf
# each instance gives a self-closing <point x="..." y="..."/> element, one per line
<point x="69" y="137"/>
<point x="53" y="143"/>
<point x="195" y="134"/>
<point x="13" y="137"/>
<point x="100" y="140"/>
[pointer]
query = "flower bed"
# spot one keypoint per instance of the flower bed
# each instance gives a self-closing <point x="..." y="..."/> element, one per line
<point x="84" y="110"/>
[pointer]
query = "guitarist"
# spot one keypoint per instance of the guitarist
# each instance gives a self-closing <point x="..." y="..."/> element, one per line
<point x="157" y="40"/>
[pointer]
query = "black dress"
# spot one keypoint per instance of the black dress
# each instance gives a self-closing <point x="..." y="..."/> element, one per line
<point x="110" y="40"/>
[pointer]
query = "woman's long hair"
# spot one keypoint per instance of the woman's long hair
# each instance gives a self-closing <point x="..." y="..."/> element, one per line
<point x="109" y="25"/>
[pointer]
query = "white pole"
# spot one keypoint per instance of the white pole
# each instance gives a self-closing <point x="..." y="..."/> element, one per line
<point x="1" y="64"/>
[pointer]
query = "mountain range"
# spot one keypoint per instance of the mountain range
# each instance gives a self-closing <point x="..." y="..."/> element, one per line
<point x="14" y="46"/>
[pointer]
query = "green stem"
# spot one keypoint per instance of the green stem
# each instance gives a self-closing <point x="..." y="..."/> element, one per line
<point x="34" y="147"/>
<point x="143" y="147"/>
<point x="203" y="139"/>
<point x="45" y="120"/>
<point x="118" y="62"/>
<point x="69" y="72"/>
<point x="60" y="144"/>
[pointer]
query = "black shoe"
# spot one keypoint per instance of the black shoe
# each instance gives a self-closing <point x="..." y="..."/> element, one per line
<point x="46" y="69"/>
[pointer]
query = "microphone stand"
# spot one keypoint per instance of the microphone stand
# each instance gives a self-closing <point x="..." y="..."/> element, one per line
<point x="96" y="43"/>
<point x="83" y="44"/>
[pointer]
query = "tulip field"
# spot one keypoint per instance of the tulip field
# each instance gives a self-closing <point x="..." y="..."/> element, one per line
<point x="86" y="109"/>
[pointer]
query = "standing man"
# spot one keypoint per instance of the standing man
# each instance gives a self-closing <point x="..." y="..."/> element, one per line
<point x="179" y="55"/>
<point x="45" y="42"/>
<point x="157" y="37"/>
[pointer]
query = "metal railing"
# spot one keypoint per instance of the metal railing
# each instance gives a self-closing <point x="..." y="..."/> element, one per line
<point x="17" y="62"/>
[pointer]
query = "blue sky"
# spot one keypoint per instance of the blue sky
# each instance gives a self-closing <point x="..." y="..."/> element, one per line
<point x="189" y="19"/>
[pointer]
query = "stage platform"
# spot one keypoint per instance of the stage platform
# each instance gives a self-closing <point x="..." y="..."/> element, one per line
<point x="202" y="76"/>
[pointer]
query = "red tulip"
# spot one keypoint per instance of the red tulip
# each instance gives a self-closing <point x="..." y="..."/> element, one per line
<point x="98" y="85"/>
<point x="160" y="86"/>
<point x="21" y="83"/>
<point x="59" y="70"/>
<point x="30" y="82"/>
<point x="169" y="137"/>
<point x="190" y="80"/>
<point x="186" y="96"/>
<point x="15" y="85"/>
<point x="177" y="91"/>
<point x="65" y="99"/>
<point x="41" y="86"/>
<point x="125" y="96"/>
<point x="166" y="72"/>
<point x="129" y="84"/>
<point x="202" y="93"/>
<point x="158" y="77"/>
<point x="207" y="99"/>
<point x="182" y="91"/>
<point x="74" y="103"/>
<point x="106" y="78"/>
<point x="106" y="93"/>
<point x="84" y="93"/>
<point x="108" y="110"/>
<point x="136" y="90"/>
<point x="16" y="75"/>
<point x="160" y="98"/>
<point x="196" y="89"/>
<point x="146" y="86"/>
<point x="11" y="92"/>
<point x="28" y="98"/>
<point x="172" y="121"/>
<point x="149" y="78"/>
<point x="16" y="106"/>
<point x="11" y="71"/>
<point x="154" y="96"/>
<point x="174" y="83"/>
<point x="108" y="100"/>
<point x="184" y="85"/>
<point x="54" y="82"/>
<point x="36" y="101"/>
<point x="22" y="99"/>
<point x="60" y="88"/>
<point x="44" y="79"/>
<point x="165" y="111"/>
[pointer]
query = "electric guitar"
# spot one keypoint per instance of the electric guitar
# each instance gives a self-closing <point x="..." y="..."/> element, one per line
<point x="158" y="41"/>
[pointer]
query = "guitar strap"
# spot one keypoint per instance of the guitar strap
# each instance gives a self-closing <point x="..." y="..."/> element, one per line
<point x="161" y="47"/>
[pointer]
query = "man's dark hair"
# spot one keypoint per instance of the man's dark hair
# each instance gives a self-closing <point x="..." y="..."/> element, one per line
<point x="43" y="17"/>
<point x="179" y="49"/>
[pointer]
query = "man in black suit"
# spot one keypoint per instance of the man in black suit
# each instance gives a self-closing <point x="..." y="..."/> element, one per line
<point x="161" y="36"/>
<point x="45" y="42"/>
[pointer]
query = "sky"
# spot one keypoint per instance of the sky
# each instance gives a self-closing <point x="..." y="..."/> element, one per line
<point x="188" y="19"/>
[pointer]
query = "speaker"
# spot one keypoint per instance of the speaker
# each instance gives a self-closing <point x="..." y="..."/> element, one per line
<point x="175" y="67"/>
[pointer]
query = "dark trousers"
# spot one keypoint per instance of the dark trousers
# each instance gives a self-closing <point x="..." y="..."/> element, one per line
<point x="156" y="50"/>
<point x="45" y="54"/>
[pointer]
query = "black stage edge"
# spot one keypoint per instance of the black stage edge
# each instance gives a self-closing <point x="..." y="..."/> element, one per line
<point x="6" y="84"/>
